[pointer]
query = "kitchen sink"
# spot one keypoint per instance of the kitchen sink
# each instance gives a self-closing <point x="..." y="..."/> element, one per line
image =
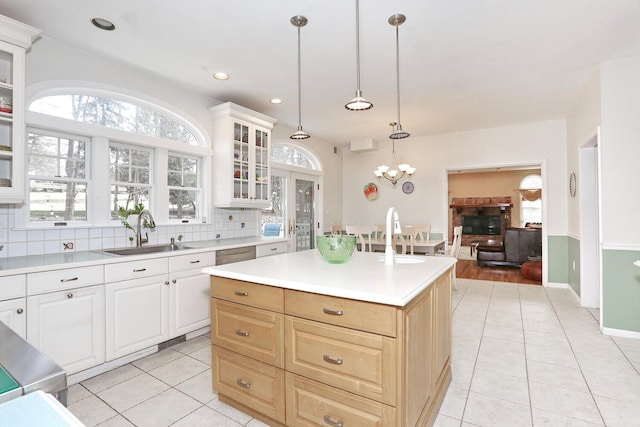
<point x="143" y="250"/>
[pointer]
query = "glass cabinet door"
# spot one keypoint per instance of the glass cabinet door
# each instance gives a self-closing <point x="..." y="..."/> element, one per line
<point x="6" y="114"/>
<point x="262" y="165"/>
<point x="240" y="161"/>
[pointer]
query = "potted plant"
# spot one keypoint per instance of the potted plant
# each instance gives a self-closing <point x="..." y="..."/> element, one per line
<point x="129" y="218"/>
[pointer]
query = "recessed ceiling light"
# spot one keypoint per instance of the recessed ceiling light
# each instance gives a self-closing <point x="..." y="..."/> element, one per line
<point x="276" y="101"/>
<point x="221" y="76"/>
<point x="103" y="24"/>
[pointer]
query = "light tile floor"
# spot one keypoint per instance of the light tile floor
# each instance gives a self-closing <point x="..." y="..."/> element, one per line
<point x="523" y="355"/>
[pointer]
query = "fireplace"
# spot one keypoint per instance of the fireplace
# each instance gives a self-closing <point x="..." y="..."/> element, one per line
<point x="481" y="224"/>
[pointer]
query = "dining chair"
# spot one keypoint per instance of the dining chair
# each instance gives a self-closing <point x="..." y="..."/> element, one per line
<point x="420" y="233"/>
<point x="363" y="235"/>
<point x="454" y="250"/>
<point x="380" y="238"/>
<point x="336" y="229"/>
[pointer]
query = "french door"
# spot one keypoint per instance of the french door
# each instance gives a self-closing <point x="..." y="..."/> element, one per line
<point x="293" y="204"/>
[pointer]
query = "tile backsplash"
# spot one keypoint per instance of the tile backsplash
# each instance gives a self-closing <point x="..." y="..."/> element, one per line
<point x="227" y="223"/>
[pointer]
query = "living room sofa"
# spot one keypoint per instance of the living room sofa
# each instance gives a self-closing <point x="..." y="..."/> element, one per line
<point x="519" y="244"/>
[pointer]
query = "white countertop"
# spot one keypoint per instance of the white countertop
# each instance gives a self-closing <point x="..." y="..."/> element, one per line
<point x="363" y="277"/>
<point x="36" y="263"/>
<point x="36" y="409"/>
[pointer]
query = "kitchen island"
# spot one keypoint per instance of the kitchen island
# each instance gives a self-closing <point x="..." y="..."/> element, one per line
<point x="299" y="341"/>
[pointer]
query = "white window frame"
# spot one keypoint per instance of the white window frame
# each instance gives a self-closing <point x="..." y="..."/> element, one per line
<point x="88" y="180"/>
<point x="100" y="137"/>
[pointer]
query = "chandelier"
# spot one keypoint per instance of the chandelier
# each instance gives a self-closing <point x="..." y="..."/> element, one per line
<point x="396" y="172"/>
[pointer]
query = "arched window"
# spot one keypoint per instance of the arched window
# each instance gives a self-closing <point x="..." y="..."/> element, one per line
<point x="114" y="113"/>
<point x="530" y="199"/>
<point x="289" y="154"/>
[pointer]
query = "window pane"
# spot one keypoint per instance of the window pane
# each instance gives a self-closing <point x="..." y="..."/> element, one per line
<point x="127" y="196"/>
<point x="190" y="180"/>
<point x="183" y="204"/>
<point x="71" y="169"/>
<point x="174" y="179"/>
<point x="42" y="145"/>
<point x="140" y="158"/>
<point x="57" y="201"/>
<point x="43" y="166"/>
<point x="115" y="114"/>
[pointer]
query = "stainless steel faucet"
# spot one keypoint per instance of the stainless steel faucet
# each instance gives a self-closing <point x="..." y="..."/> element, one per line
<point x="150" y="222"/>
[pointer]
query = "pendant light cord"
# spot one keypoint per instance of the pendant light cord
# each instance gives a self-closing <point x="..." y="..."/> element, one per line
<point x="299" y="85"/>
<point x="358" y="46"/>
<point x="398" y="73"/>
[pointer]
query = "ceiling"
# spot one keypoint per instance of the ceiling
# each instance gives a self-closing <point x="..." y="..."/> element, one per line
<point x="464" y="64"/>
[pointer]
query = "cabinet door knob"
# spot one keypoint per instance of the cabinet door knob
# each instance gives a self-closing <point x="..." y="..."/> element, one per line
<point x="243" y="384"/>
<point x="328" y="420"/>
<point x="241" y="293"/>
<point x="69" y="296"/>
<point x="329" y="359"/>
<point x="19" y="311"/>
<point x="174" y="281"/>
<point x="333" y="312"/>
<point x="166" y="282"/>
<point x="242" y="333"/>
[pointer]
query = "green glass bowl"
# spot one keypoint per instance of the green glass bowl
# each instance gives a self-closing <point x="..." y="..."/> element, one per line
<point x="336" y="249"/>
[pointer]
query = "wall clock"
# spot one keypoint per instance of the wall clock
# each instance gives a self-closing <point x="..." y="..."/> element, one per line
<point x="407" y="187"/>
<point x="572" y="184"/>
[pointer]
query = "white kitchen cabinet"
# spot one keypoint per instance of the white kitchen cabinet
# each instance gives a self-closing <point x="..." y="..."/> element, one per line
<point x="154" y="300"/>
<point x="15" y="38"/>
<point x="271" y="249"/>
<point x="68" y="326"/>
<point x="189" y="292"/>
<point x="242" y="157"/>
<point x="137" y="313"/>
<point x="13" y="314"/>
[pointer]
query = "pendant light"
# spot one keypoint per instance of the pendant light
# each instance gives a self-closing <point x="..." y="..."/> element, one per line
<point x="358" y="103"/>
<point x="299" y="21"/>
<point x="397" y="20"/>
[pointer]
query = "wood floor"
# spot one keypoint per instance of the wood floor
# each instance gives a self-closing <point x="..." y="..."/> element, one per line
<point x="467" y="269"/>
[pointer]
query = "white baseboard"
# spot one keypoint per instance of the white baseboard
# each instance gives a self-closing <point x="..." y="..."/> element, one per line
<point x="557" y="285"/>
<point x="621" y="333"/>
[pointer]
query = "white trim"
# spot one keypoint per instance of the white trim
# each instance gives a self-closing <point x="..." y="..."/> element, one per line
<point x="558" y="285"/>
<point x="573" y="292"/>
<point x="620" y="333"/>
<point x="65" y="87"/>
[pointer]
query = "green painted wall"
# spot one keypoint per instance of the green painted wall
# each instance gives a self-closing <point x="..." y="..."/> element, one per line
<point x="621" y="290"/>
<point x="558" y="258"/>
<point x="574" y="257"/>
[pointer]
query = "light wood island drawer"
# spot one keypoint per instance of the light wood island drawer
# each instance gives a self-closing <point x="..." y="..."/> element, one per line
<point x="312" y="404"/>
<point x="361" y="315"/>
<point x="252" y="332"/>
<point x="256" y="385"/>
<point x="355" y="361"/>
<point x="261" y="296"/>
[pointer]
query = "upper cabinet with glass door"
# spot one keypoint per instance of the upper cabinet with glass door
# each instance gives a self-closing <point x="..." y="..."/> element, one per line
<point x="242" y="150"/>
<point x="15" y="39"/>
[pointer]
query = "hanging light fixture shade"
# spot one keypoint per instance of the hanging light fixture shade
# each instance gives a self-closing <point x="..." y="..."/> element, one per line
<point x="397" y="20"/>
<point x="359" y="103"/>
<point x="299" y="21"/>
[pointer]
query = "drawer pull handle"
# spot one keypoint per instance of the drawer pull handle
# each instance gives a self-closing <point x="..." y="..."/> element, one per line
<point x="328" y="359"/>
<point x="274" y="249"/>
<point x="242" y="333"/>
<point x="194" y="262"/>
<point x="243" y="384"/>
<point x="333" y="312"/>
<point x="241" y="293"/>
<point x="138" y="270"/>
<point x="68" y="280"/>
<point x="328" y="420"/>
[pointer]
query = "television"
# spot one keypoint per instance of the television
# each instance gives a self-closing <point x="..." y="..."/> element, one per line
<point x="481" y="224"/>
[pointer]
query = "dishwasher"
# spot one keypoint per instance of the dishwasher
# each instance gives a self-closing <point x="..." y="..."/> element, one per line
<point x="227" y="256"/>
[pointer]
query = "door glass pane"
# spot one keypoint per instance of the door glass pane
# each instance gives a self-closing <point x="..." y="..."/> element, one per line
<point x="276" y="214"/>
<point x="305" y="236"/>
